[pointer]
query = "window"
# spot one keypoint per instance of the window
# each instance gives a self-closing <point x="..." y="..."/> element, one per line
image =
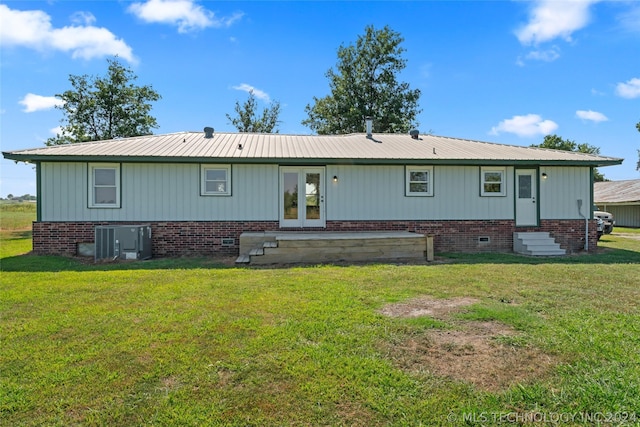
<point x="215" y="180"/>
<point x="492" y="181"/>
<point x="524" y="186"/>
<point x="104" y="185"/>
<point x="419" y="181"/>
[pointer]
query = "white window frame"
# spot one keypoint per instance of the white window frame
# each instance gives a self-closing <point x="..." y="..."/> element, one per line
<point x="503" y="181"/>
<point x="429" y="170"/>
<point x="92" y="185"/>
<point x="203" y="181"/>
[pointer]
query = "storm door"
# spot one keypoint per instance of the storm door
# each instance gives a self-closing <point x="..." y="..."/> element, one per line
<point x="302" y="197"/>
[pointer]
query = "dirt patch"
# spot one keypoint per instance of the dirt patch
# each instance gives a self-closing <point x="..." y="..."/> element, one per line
<point x="490" y="355"/>
<point x="427" y="306"/>
<point x="627" y="235"/>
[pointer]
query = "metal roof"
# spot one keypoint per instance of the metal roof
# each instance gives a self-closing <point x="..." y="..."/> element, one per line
<point x="622" y="192"/>
<point x="310" y="149"/>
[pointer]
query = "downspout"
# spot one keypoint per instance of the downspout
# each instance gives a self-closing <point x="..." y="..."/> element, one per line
<point x="586" y="226"/>
<point x="38" y="193"/>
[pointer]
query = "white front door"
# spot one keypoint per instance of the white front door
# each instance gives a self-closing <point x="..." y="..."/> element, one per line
<point x="302" y="197"/>
<point x="526" y="192"/>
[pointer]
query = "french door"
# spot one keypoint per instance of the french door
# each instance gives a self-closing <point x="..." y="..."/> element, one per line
<point x="302" y="197"/>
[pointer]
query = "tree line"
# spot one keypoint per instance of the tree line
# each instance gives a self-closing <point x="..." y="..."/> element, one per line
<point x="23" y="198"/>
<point x="363" y="84"/>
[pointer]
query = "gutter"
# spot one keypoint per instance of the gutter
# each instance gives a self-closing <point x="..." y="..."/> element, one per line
<point x="305" y="160"/>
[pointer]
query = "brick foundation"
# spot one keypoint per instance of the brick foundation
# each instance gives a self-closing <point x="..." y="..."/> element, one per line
<point x="177" y="238"/>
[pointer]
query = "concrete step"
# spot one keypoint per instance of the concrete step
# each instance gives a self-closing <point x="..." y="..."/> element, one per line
<point x="532" y="234"/>
<point x="548" y="252"/>
<point x="536" y="243"/>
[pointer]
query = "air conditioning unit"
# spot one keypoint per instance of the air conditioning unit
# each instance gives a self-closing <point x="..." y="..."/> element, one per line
<point x="122" y="242"/>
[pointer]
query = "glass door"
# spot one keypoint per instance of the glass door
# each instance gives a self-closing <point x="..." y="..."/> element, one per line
<point x="302" y="197"/>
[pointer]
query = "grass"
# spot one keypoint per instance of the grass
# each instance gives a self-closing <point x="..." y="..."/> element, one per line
<point x="190" y="342"/>
<point x="15" y="227"/>
<point x="626" y="230"/>
<point x="16" y="215"/>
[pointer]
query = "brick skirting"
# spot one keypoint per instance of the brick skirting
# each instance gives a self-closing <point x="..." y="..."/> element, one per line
<point x="177" y="238"/>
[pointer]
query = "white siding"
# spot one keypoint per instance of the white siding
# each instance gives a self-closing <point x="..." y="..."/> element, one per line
<point x="161" y="192"/>
<point x="559" y="193"/>
<point x="378" y="193"/>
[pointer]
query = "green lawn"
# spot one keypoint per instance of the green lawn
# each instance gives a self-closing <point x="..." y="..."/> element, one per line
<point x="191" y="342"/>
<point x="626" y="230"/>
<point x="16" y="215"/>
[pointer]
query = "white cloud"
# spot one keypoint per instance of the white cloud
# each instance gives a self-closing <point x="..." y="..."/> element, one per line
<point x="184" y="14"/>
<point x="89" y="42"/>
<point x="33" y="102"/>
<point x="630" y="89"/>
<point x="32" y="29"/>
<point x="548" y="55"/>
<point x="23" y="28"/>
<point x="83" y="18"/>
<point x="529" y="125"/>
<point x="593" y="116"/>
<point x="550" y="19"/>
<point x="260" y="94"/>
<point x="56" y="130"/>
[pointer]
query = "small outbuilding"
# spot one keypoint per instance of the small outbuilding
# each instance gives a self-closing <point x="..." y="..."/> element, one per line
<point x="621" y="199"/>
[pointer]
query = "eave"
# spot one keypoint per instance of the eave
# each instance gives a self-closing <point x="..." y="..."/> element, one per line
<point x="31" y="158"/>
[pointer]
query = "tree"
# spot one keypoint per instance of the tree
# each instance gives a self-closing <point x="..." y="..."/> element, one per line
<point x="248" y="121"/>
<point x="555" y="142"/>
<point x="98" y="108"/>
<point x="365" y="85"/>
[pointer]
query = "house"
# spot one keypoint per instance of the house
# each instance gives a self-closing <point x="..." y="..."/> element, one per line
<point x="200" y="191"/>
<point x="621" y="199"/>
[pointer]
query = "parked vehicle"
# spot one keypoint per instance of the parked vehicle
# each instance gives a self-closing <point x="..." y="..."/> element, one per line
<point x="606" y="217"/>
<point x="600" y="227"/>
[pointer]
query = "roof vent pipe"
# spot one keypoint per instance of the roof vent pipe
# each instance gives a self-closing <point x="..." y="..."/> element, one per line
<point x="369" y="122"/>
<point x="208" y="132"/>
<point x="414" y="133"/>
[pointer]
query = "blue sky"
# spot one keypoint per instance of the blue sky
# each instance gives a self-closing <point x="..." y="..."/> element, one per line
<point x="503" y="71"/>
